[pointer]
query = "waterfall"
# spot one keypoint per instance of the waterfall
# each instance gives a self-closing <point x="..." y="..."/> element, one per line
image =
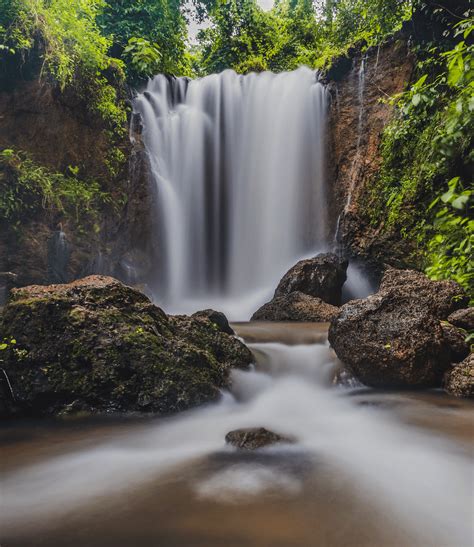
<point x="360" y="121"/>
<point x="238" y="170"/>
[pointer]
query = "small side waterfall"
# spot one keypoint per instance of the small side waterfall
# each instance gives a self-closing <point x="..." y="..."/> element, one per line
<point x="238" y="167"/>
<point x="360" y="122"/>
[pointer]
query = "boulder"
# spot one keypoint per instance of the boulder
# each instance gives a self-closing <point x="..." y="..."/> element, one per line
<point x="456" y="341"/>
<point x="459" y="381"/>
<point x="394" y="338"/>
<point x="252" y="438"/>
<point x="441" y="298"/>
<point x="463" y="319"/>
<point x="217" y="318"/>
<point x="322" y="277"/>
<point x="96" y="345"/>
<point x="296" y="306"/>
<point x="390" y="342"/>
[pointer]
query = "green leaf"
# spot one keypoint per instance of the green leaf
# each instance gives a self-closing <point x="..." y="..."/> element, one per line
<point x="416" y="99"/>
<point x="460" y="201"/>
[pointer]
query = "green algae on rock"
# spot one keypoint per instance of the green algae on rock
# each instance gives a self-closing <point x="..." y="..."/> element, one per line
<point x="96" y="345"/>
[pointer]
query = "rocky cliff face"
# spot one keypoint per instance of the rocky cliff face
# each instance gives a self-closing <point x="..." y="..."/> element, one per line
<point x="56" y="129"/>
<point x="58" y="132"/>
<point x="360" y="86"/>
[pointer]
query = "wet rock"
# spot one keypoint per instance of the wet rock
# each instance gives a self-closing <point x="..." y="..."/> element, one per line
<point x="296" y="306"/>
<point x="390" y="342"/>
<point x="322" y="277"/>
<point x="253" y="438"/>
<point x="96" y="345"/>
<point x="464" y="319"/>
<point x="440" y="298"/>
<point x="217" y="318"/>
<point x="394" y="339"/>
<point x="459" y="381"/>
<point x="456" y="340"/>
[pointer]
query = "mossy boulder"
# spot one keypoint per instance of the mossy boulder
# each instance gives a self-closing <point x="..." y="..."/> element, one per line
<point x="97" y="345"/>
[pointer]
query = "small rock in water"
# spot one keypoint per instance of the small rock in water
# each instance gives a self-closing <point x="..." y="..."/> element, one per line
<point x="253" y="438"/>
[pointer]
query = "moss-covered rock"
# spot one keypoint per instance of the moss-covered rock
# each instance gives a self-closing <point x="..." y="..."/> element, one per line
<point x="98" y="345"/>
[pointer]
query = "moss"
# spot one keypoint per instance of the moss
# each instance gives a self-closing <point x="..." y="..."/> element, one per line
<point x="99" y="347"/>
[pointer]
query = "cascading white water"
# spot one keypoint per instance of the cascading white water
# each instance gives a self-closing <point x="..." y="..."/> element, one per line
<point x="413" y="483"/>
<point x="360" y="122"/>
<point x="238" y="167"/>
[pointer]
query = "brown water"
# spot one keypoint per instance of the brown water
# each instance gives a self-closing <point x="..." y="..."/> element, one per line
<point x="371" y="468"/>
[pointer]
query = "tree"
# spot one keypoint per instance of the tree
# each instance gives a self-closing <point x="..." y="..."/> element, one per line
<point x="149" y="34"/>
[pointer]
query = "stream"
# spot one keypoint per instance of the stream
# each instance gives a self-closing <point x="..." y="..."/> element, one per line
<point x="369" y="468"/>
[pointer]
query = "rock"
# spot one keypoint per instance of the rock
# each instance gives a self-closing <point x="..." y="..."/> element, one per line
<point x="390" y="341"/>
<point x="456" y="340"/>
<point x="253" y="438"/>
<point x="97" y="345"/>
<point x="441" y="298"/>
<point x="217" y="318"/>
<point x="460" y="380"/>
<point x="296" y="306"/>
<point x="322" y="277"/>
<point x="394" y="339"/>
<point x="464" y="319"/>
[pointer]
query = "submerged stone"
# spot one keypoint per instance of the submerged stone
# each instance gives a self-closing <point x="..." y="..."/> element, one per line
<point x="96" y="345"/>
<point x="252" y="438"/>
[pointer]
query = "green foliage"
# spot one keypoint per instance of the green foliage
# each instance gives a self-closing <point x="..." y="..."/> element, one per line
<point x="451" y="248"/>
<point x="27" y="189"/>
<point x="144" y="57"/>
<point x="7" y="343"/>
<point x="68" y="29"/>
<point x="428" y="144"/>
<point x="73" y="51"/>
<point x="294" y="32"/>
<point x="347" y="22"/>
<point x="149" y="35"/>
